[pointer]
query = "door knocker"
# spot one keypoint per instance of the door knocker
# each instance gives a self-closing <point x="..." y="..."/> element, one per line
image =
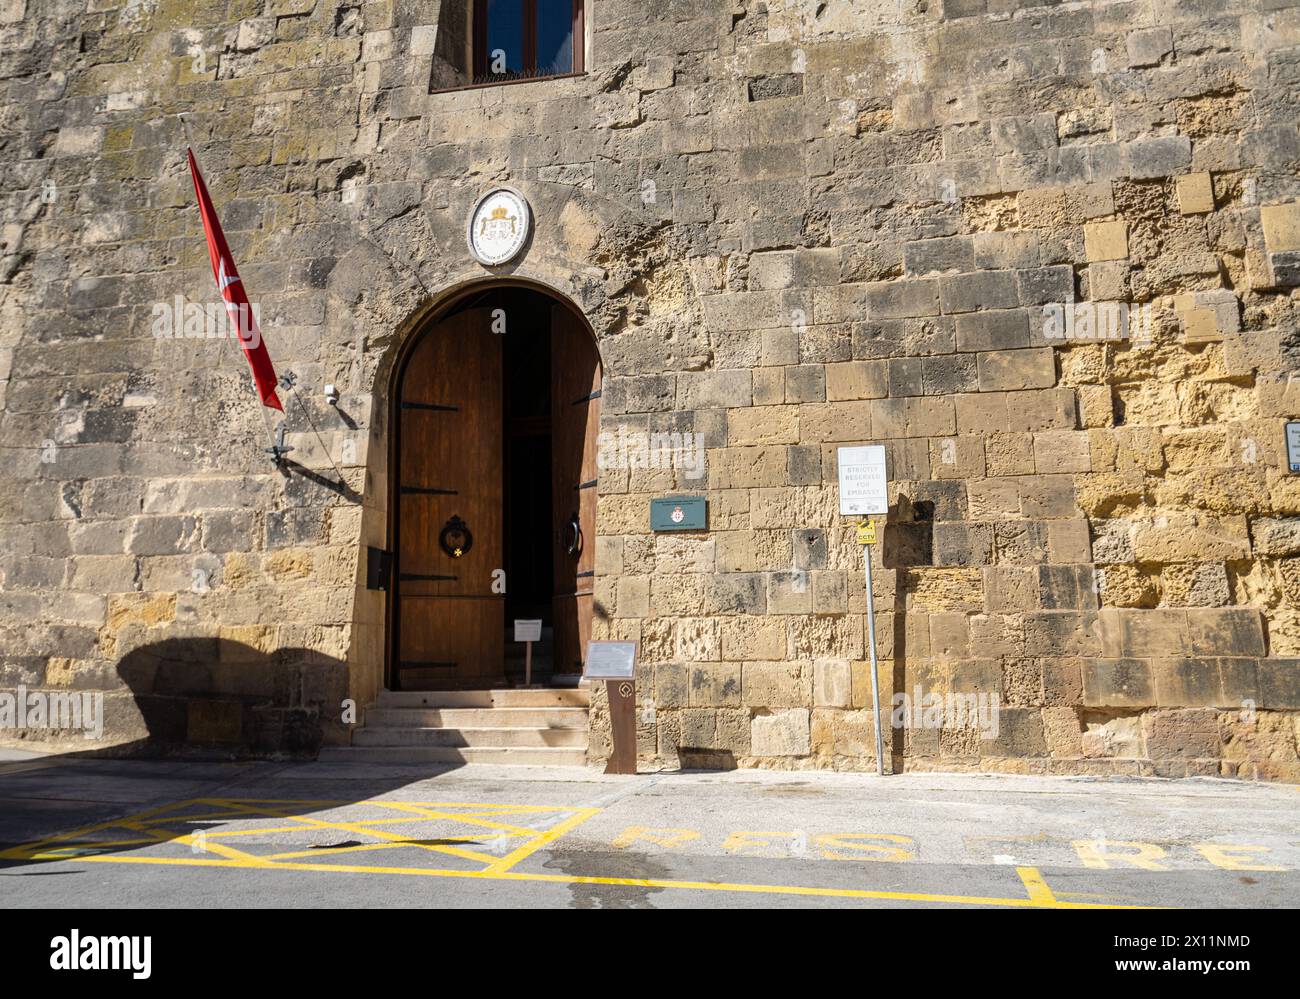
<point x="574" y="529"/>
<point x="455" y="538"/>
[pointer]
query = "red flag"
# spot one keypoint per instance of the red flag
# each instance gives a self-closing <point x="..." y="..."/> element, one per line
<point x="232" y="291"/>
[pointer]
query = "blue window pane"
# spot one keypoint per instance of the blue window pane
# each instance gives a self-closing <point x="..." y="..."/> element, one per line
<point x="554" y="36"/>
<point x="505" y="37"/>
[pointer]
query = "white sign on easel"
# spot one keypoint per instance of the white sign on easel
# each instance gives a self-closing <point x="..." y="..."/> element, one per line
<point x="528" y="631"/>
<point x="864" y="487"/>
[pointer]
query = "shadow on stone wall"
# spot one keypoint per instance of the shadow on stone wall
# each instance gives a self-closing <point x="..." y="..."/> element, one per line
<point x="907" y="542"/>
<point x="217" y="694"/>
<point x="206" y="697"/>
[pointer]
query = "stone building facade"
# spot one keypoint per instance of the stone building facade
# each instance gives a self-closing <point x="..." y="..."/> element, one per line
<point x="1047" y="254"/>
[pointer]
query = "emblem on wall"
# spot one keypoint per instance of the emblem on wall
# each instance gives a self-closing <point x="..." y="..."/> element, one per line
<point x="499" y="226"/>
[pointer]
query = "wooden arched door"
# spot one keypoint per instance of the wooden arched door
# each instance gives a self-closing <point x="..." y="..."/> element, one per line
<point x="466" y="478"/>
<point x="450" y="615"/>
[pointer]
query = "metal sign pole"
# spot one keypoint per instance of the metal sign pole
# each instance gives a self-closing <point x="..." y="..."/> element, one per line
<point x="875" y="681"/>
<point x="864" y="489"/>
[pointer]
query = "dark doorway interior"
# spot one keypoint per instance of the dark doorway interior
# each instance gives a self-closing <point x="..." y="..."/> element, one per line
<point x="529" y="521"/>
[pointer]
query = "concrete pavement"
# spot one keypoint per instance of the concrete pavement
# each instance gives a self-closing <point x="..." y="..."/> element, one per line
<point x="98" y="833"/>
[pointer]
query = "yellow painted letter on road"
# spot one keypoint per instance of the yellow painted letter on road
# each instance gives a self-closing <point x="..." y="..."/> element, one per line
<point x="1100" y="854"/>
<point x="667" y="838"/>
<point x="865" y="846"/>
<point x="1221" y="855"/>
<point x="766" y="844"/>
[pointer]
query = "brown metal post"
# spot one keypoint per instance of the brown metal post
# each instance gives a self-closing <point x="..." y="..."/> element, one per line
<point x="622" y="720"/>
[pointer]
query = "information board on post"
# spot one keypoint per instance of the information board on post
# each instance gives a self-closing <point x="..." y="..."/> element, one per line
<point x="864" y="485"/>
<point x="615" y="663"/>
<point x="611" y="660"/>
<point x="528" y="630"/>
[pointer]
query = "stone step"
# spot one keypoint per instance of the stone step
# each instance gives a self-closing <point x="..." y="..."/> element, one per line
<point x="550" y="717"/>
<point x="566" y="738"/>
<point x="527" y="756"/>
<point x="548" y="697"/>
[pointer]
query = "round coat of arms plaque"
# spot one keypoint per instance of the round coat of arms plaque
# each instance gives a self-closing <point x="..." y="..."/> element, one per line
<point x="499" y="226"/>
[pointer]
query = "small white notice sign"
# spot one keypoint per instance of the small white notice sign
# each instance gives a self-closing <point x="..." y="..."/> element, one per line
<point x="1293" y="446"/>
<point x="528" y="631"/>
<point x="611" y="660"/>
<point x="864" y="487"/>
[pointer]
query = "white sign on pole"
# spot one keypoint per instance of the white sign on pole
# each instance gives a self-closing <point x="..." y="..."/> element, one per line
<point x="864" y="487"/>
<point x="611" y="660"/>
<point x="528" y="631"/>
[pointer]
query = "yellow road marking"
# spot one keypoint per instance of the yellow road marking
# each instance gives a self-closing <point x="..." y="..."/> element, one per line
<point x="321" y="851"/>
<point x="469" y="818"/>
<point x="22" y="851"/>
<point x="391" y="837"/>
<point x="537" y="842"/>
<point x="1036" y="886"/>
<point x="1038" y="894"/>
<point x="724" y="886"/>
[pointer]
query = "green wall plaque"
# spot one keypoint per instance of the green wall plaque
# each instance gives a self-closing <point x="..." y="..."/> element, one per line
<point x="679" y="513"/>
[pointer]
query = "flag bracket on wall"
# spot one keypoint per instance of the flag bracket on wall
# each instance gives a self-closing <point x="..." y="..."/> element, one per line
<point x="279" y="449"/>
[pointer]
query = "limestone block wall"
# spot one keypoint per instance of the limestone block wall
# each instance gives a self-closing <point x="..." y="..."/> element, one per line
<point x="1047" y="254"/>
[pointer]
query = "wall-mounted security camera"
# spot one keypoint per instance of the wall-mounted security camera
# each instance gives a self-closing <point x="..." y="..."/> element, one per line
<point x="331" y="395"/>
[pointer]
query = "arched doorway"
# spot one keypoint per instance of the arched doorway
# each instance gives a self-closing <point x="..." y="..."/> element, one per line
<point x="493" y="492"/>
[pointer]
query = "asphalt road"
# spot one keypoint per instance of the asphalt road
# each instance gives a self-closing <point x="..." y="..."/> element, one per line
<point x="88" y="833"/>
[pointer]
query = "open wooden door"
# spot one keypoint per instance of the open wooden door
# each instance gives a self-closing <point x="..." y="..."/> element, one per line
<point x="450" y="623"/>
<point x="575" y="424"/>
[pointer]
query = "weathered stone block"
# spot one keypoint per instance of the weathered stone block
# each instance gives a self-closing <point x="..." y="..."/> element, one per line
<point x="1163" y="156"/>
<point x="993" y="330"/>
<point x="1106" y="240"/>
<point x="1062" y="633"/>
<point x="1276" y="536"/>
<point x="1195" y="192"/>
<point x="963" y="544"/>
<point x="832" y="683"/>
<point x="1226" y="631"/>
<point x="1281" y="226"/>
<point x="900" y="299"/>
<point x="1020" y="733"/>
<point x="763" y="425"/>
<point x="1148" y="46"/>
<point x="781" y="733"/>
<point x="750" y="637"/>
<point x="928" y="256"/>
<point x="1279" y="684"/>
<point x="856" y="380"/>
<point x="1118" y="683"/>
<point x="980" y="290"/>
<point x="1004" y="370"/>
<point x="805" y="383"/>
<point x="912" y="417"/>
<point x="1192" y="734"/>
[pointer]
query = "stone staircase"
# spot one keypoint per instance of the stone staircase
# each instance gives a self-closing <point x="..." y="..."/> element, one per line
<point x="529" y="727"/>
